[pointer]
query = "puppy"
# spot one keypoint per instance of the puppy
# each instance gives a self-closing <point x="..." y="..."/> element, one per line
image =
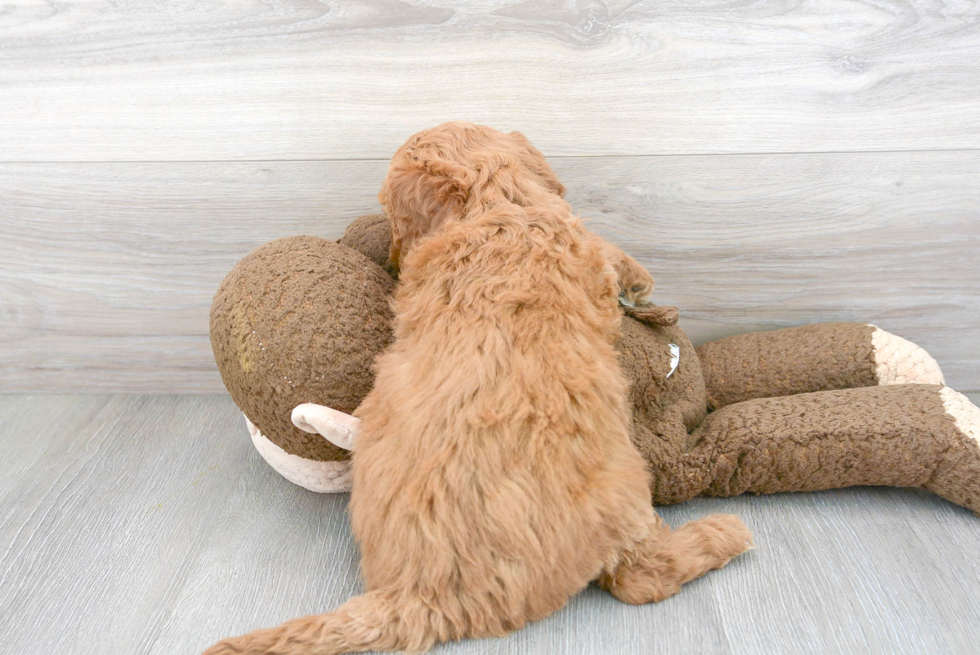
<point x="493" y="476"/>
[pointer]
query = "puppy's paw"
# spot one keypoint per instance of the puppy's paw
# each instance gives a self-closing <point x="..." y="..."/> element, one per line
<point x="723" y="536"/>
<point x="635" y="283"/>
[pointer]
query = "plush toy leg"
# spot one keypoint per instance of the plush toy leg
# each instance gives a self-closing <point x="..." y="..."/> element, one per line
<point x="900" y="435"/>
<point x="810" y="358"/>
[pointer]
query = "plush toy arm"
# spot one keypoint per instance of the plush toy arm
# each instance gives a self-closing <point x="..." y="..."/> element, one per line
<point x="817" y="357"/>
<point x="911" y="435"/>
<point x="338" y="428"/>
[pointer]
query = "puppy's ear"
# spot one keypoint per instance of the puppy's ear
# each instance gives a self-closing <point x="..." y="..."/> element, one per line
<point x="447" y="181"/>
<point x="420" y="195"/>
<point x="535" y="161"/>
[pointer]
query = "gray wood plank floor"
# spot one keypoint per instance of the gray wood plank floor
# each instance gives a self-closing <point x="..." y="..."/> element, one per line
<point x="148" y="525"/>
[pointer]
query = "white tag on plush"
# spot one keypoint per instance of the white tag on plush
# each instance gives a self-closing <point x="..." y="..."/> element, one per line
<point x="675" y="358"/>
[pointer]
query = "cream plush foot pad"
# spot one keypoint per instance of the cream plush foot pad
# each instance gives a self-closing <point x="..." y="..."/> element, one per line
<point x="322" y="477"/>
<point x="899" y="361"/>
<point x="965" y="414"/>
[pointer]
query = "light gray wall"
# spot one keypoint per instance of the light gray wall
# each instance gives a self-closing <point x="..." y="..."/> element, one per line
<point x="772" y="164"/>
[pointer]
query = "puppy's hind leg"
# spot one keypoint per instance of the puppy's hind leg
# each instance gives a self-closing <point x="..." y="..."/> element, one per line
<point x="655" y="567"/>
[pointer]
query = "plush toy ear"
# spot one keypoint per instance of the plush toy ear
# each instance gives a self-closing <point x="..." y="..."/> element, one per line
<point x="535" y="161"/>
<point x="338" y="428"/>
<point x="419" y="195"/>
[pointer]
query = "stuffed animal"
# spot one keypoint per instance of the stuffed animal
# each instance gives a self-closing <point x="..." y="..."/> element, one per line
<point x="297" y="323"/>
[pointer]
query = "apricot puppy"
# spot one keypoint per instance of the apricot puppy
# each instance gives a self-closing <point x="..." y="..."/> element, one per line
<point x="493" y="476"/>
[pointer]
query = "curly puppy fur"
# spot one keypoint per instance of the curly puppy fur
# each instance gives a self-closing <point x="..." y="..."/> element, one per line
<point x="494" y="475"/>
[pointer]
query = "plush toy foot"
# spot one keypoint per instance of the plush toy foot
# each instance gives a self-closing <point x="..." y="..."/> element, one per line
<point x="322" y="477"/>
<point x="899" y="361"/>
<point x="911" y="435"/>
<point x="957" y="478"/>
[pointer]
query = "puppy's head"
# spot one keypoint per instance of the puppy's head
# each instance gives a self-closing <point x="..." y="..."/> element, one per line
<point x="535" y="162"/>
<point x="437" y="172"/>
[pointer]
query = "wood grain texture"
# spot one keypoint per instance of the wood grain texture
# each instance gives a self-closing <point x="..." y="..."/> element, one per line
<point x="108" y="269"/>
<point x="189" y="133"/>
<point x="351" y="79"/>
<point x="150" y="526"/>
<point x="100" y="530"/>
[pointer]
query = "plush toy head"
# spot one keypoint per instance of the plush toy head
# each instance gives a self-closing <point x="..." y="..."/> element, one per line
<point x="300" y="320"/>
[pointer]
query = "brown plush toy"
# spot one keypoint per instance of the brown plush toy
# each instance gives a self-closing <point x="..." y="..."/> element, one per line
<point x="297" y="323"/>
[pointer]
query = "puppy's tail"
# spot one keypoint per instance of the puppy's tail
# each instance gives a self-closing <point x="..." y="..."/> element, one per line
<point x="365" y="623"/>
<point x="656" y="567"/>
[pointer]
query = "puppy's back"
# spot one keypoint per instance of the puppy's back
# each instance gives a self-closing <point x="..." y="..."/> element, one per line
<point x="484" y="474"/>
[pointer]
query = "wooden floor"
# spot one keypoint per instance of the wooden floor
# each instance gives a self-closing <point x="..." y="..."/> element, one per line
<point x="149" y="525"/>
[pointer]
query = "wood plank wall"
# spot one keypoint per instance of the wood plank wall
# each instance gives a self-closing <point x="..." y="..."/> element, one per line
<point x="772" y="163"/>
